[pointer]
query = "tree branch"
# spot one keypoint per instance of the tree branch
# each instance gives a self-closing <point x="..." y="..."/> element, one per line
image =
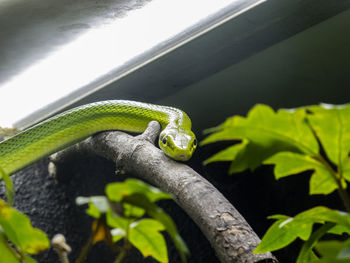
<point x="227" y="231"/>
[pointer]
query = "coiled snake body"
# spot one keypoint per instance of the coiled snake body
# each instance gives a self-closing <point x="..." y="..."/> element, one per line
<point x="176" y="139"/>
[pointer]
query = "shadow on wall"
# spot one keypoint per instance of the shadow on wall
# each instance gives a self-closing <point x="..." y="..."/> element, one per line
<point x="308" y="68"/>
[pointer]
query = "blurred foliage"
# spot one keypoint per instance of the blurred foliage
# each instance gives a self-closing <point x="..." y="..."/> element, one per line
<point x="18" y="239"/>
<point x="120" y="221"/>
<point x="10" y="191"/>
<point x="126" y="217"/>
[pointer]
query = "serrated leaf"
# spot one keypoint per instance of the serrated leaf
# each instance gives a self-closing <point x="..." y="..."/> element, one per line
<point x="117" y="191"/>
<point x="228" y="154"/>
<point x="320" y="183"/>
<point x="282" y="233"/>
<point x="286" y="230"/>
<point x="18" y="229"/>
<point x="249" y="157"/>
<point x="339" y="230"/>
<point x="159" y="215"/>
<point x="289" y="163"/>
<point x="322" y="214"/>
<point x="265" y="133"/>
<point x="331" y="124"/>
<point x="145" y="236"/>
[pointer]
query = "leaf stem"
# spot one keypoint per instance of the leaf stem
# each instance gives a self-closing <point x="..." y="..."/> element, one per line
<point x="15" y="252"/>
<point x="345" y="197"/>
<point x="311" y="242"/>
<point x="337" y="177"/>
<point x="85" y="249"/>
<point x="89" y="243"/>
<point x="126" y="245"/>
<point x="124" y="249"/>
<point x="123" y="252"/>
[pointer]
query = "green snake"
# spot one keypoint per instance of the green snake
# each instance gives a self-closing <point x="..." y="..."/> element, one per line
<point x="176" y="138"/>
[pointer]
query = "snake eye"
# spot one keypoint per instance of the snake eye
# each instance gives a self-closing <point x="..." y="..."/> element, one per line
<point x="164" y="140"/>
<point x="195" y="142"/>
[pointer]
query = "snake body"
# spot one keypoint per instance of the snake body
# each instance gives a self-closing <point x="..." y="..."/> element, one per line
<point x="176" y="139"/>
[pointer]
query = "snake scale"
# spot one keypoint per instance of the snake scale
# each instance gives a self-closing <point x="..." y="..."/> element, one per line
<point x="176" y="138"/>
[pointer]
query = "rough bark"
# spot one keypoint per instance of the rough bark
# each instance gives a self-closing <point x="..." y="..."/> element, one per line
<point x="227" y="231"/>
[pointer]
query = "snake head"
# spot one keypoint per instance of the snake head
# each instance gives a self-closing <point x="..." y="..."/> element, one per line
<point x="179" y="144"/>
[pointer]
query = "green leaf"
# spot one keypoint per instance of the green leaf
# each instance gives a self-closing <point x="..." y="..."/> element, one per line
<point x="117" y="234"/>
<point x="312" y="257"/>
<point x="228" y="154"/>
<point x="117" y="221"/>
<point x="346" y="169"/>
<point x="306" y="253"/>
<point x="321" y="183"/>
<point x="331" y="124"/>
<point x="117" y="191"/>
<point x="159" y="215"/>
<point x="286" y="229"/>
<point x="18" y="229"/>
<point x="289" y="163"/>
<point x="10" y="192"/>
<point x="93" y="211"/>
<point x="97" y="205"/>
<point x="282" y="233"/>
<point x="321" y="214"/>
<point x="133" y="211"/>
<point x="100" y="202"/>
<point x="7" y="254"/>
<point x="339" y="230"/>
<point x="145" y="236"/>
<point x="264" y="133"/>
<point x="29" y="259"/>
<point x="334" y="251"/>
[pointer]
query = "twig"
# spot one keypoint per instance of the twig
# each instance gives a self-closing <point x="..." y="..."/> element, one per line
<point x="61" y="247"/>
<point x="126" y="247"/>
<point x="227" y="231"/>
